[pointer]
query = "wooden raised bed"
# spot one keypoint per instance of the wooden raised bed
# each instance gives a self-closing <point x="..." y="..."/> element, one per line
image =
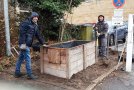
<point x="68" y="58"/>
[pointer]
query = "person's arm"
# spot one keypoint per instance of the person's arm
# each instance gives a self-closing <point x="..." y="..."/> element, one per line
<point x="39" y="37"/>
<point x="23" y="30"/>
<point x="95" y="27"/>
<point x="105" y="29"/>
<point x="96" y="30"/>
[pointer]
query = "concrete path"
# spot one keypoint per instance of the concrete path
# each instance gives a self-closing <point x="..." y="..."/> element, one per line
<point x="120" y="80"/>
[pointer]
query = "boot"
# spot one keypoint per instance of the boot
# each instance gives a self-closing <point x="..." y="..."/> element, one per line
<point x="31" y="77"/>
<point x="17" y="75"/>
<point x="105" y="62"/>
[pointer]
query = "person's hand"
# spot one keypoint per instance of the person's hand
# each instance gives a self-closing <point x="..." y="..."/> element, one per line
<point x="23" y="46"/>
<point x="45" y="45"/>
<point x="98" y="34"/>
<point x="96" y="28"/>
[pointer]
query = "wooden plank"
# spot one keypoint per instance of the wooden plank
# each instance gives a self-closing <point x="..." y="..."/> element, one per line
<point x="76" y="67"/>
<point x="61" y="67"/>
<point x="54" y="56"/>
<point x="89" y="51"/>
<point x="73" y="65"/>
<point x="89" y="45"/>
<point x="99" y="79"/>
<point x="75" y="50"/>
<point x="72" y="72"/>
<point x="76" y="57"/>
<point x="90" y="60"/>
<point x="80" y="62"/>
<point x="80" y="67"/>
<point x="56" y="72"/>
<point x="63" y="56"/>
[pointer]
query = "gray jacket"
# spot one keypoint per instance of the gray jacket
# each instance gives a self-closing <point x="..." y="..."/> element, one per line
<point x="102" y="28"/>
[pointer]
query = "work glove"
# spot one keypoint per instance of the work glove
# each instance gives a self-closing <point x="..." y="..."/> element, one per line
<point x="36" y="46"/>
<point x="96" y="28"/>
<point x="23" y="47"/>
<point x="98" y="34"/>
<point x="44" y="45"/>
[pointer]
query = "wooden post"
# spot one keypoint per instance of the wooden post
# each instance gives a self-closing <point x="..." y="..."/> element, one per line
<point x="129" y="44"/>
<point x="67" y="65"/>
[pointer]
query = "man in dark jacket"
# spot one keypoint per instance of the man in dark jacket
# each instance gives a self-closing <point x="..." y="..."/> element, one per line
<point x="29" y="30"/>
<point x="101" y="29"/>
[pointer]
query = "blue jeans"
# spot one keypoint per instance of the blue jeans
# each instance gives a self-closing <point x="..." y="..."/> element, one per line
<point x="24" y="55"/>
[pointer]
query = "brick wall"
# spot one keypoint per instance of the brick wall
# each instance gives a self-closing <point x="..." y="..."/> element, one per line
<point x="88" y="12"/>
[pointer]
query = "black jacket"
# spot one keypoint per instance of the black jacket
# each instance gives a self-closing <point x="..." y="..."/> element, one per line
<point x="29" y="30"/>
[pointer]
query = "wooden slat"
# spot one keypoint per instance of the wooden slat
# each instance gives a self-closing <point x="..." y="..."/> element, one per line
<point x="76" y="57"/>
<point x="89" y="51"/>
<point x="89" y="45"/>
<point x="75" y="50"/>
